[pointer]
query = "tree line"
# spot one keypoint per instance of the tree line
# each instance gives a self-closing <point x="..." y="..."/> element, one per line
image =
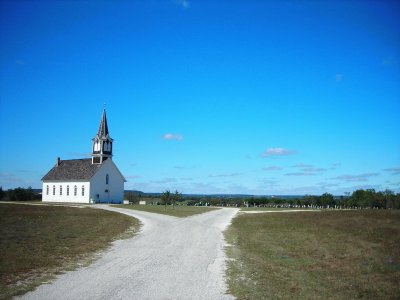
<point x="368" y="198"/>
<point x="19" y="194"/>
<point x="360" y="198"/>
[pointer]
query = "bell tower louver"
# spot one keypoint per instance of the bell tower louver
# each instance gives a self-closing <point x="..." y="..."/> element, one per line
<point x="102" y="142"/>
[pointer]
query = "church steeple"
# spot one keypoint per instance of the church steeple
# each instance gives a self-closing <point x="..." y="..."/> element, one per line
<point x="102" y="142"/>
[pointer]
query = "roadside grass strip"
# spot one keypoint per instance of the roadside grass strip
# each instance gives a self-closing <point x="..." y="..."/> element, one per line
<point x="179" y="211"/>
<point x="326" y="255"/>
<point x="38" y="242"/>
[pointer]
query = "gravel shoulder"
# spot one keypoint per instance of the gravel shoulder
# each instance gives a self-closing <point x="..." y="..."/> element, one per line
<point x="171" y="258"/>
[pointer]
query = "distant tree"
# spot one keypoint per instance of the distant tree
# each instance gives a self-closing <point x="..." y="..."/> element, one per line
<point x="389" y="199"/>
<point x="327" y="200"/>
<point x="166" y="198"/>
<point x="2" y="193"/>
<point x="176" y="198"/>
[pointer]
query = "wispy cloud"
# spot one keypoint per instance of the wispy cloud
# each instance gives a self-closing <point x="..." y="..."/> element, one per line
<point x="300" y="174"/>
<point x="339" y="77"/>
<point x="393" y="171"/>
<point x="272" y="168"/>
<point x="186" y="178"/>
<point x="355" y="178"/>
<point x="163" y="181"/>
<point x="20" y="62"/>
<point x="133" y="177"/>
<point x="224" y="175"/>
<point x="301" y="165"/>
<point x="306" y="170"/>
<point x="184" y="3"/>
<point x="389" y="61"/>
<point x="271" y="152"/>
<point x="170" y="136"/>
<point x="334" y="166"/>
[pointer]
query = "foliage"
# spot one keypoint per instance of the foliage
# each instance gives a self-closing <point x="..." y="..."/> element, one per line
<point x="166" y="198"/>
<point x="176" y="197"/>
<point x="19" y="194"/>
<point x="358" y="199"/>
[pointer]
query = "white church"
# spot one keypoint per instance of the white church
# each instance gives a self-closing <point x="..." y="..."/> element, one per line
<point x="88" y="180"/>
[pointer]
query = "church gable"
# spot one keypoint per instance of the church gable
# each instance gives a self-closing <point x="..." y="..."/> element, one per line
<point x="109" y="166"/>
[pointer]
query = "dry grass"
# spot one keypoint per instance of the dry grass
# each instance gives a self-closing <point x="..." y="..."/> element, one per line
<point x="177" y="211"/>
<point x="321" y="255"/>
<point x="39" y="241"/>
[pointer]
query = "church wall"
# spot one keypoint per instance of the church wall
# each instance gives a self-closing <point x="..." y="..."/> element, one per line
<point x="63" y="196"/>
<point x="111" y="192"/>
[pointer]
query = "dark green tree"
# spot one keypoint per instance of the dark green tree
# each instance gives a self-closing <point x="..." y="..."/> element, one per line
<point x="176" y="197"/>
<point x="166" y="198"/>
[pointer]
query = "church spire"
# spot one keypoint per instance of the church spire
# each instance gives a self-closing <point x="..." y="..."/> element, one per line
<point x="102" y="142"/>
<point x="103" y="128"/>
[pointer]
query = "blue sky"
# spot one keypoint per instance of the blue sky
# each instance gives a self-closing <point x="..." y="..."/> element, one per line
<point x="257" y="97"/>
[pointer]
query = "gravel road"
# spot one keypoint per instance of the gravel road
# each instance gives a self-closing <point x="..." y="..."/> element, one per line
<point x="172" y="258"/>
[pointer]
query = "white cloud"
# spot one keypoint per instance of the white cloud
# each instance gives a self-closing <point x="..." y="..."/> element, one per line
<point x="170" y="136"/>
<point x="276" y="152"/>
<point x="355" y="178"/>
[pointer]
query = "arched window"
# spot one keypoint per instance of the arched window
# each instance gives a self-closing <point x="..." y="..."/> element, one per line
<point x="60" y="190"/>
<point x="75" y="190"/>
<point x="107" y="179"/>
<point x="54" y="190"/>
<point x="67" y="190"/>
<point x="83" y="190"/>
<point x="47" y="189"/>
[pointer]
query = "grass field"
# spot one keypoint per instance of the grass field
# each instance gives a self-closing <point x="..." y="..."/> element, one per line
<point x="38" y="241"/>
<point x="315" y="255"/>
<point x="273" y="209"/>
<point x="177" y="211"/>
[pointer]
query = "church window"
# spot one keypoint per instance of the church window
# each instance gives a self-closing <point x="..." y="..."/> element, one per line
<point x="54" y="190"/>
<point x="60" y="190"/>
<point x="83" y="190"/>
<point x="47" y="189"/>
<point x="67" y="190"/>
<point x="75" y="190"/>
<point x="107" y="179"/>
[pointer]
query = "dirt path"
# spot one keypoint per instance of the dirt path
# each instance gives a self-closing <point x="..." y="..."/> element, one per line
<point x="172" y="258"/>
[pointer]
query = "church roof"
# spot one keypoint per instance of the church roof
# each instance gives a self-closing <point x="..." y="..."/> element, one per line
<point x="73" y="169"/>
<point x="103" y="128"/>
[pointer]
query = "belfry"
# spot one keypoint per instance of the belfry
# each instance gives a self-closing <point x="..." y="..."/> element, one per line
<point x="102" y="142"/>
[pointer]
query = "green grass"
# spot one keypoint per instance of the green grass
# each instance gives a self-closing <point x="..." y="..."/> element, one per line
<point x="177" y="211"/>
<point x="39" y="241"/>
<point x="307" y="255"/>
